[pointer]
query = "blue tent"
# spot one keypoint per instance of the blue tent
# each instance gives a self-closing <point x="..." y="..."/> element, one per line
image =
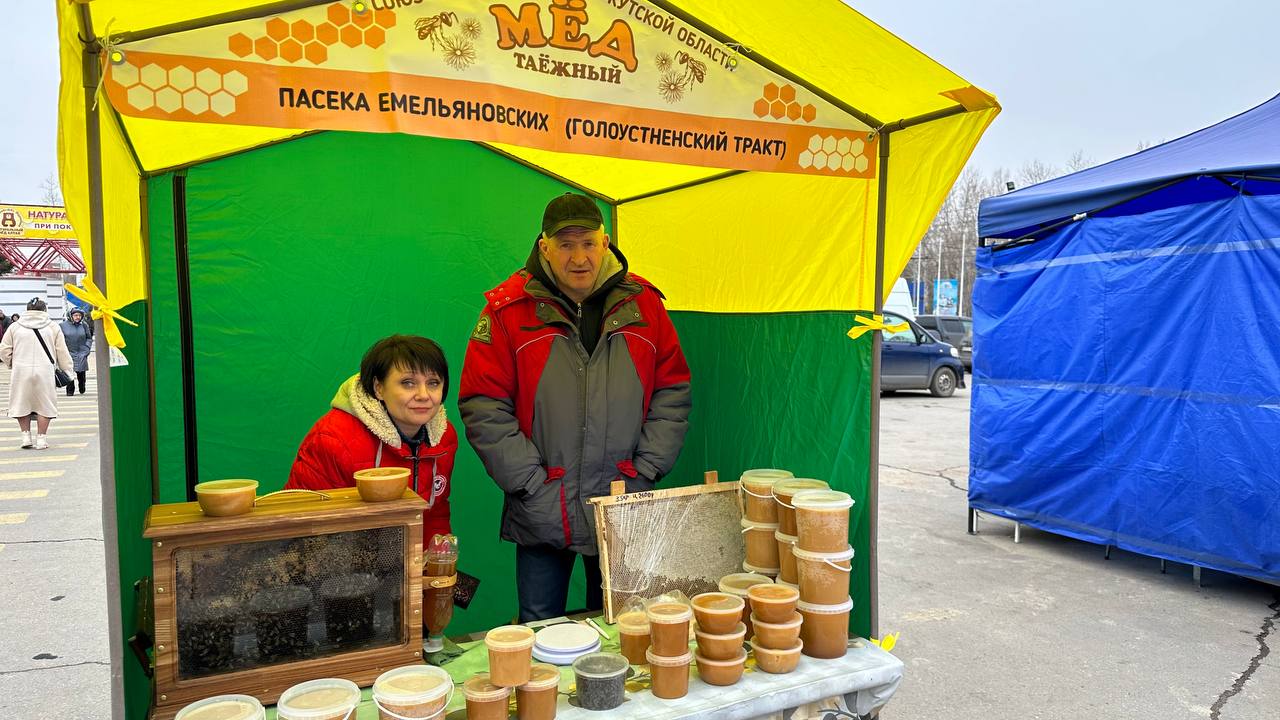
<point x="1126" y="353"/>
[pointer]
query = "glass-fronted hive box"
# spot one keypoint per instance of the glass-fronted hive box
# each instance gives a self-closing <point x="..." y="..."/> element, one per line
<point x="303" y="587"/>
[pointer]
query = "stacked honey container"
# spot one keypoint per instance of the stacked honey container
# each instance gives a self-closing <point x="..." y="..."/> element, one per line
<point x="760" y="520"/>
<point x="668" y="654"/>
<point x="823" y="562"/>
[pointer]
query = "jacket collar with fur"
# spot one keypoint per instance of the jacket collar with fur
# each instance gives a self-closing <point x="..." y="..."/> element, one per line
<point x="353" y="400"/>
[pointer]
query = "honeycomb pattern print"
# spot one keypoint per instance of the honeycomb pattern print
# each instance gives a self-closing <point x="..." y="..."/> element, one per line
<point x="780" y="102"/>
<point x="180" y="88"/>
<point x="304" y="40"/>
<point x="841" y="154"/>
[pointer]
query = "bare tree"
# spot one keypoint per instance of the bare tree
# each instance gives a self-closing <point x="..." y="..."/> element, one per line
<point x="52" y="192"/>
<point x="1078" y="161"/>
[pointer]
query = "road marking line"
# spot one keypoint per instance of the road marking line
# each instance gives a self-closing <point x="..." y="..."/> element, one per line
<point x="32" y="474"/>
<point x="59" y="446"/>
<point x="38" y="459"/>
<point x="14" y="518"/>
<point x="1" y="548"/>
<point x="23" y="494"/>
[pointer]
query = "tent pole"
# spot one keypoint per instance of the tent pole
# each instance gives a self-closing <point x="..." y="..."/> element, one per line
<point x="873" y="455"/>
<point x="102" y="365"/>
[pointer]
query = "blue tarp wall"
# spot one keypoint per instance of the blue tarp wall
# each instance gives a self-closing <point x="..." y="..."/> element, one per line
<point x="1127" y="351"/>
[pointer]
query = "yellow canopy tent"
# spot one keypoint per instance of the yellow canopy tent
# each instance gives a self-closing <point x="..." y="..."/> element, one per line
<point x="788" y="242"/>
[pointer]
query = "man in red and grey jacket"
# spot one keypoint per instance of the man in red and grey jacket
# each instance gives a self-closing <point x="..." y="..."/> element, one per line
<point x="573" y="378"/>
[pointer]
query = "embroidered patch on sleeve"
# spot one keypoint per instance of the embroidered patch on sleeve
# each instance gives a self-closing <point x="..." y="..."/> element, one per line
<point x="484" y="331"/>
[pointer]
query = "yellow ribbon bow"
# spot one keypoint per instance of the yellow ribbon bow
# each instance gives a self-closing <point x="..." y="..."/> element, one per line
<point x="875" y="322"/>
<point x="887" y="642"/>
<point x="103" y="310"/>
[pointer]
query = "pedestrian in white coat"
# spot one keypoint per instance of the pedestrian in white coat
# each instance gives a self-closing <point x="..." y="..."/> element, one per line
<point x="31" y="389"/>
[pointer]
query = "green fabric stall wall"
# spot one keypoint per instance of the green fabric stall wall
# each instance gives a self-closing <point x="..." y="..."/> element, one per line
<point x="784" y="390"/>
<point x="131" y="446"/>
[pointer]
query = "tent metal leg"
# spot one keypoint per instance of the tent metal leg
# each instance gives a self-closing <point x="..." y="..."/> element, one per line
<point x="873" y="451"/>
<point x="1106" y="555"/>
<point x="1017" y="533"/>
<point x="1164" y="566"/>
<point x="102" y="365"/>
<point x="973" y="521"/>
<point x="1195" y="575"/>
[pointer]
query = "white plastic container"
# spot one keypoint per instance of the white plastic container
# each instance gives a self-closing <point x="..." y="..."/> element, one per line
<point x="326" y="699"/>
<point x="224" y="707"/>
<point x="412" y="692"/>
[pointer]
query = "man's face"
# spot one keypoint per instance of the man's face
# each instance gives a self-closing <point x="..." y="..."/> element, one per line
<point x="575" y="255"/>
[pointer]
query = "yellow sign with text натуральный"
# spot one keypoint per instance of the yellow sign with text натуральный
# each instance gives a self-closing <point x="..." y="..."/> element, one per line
<point x="35" y="222"/>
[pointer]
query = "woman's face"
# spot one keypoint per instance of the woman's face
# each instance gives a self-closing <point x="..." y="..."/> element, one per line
<point x="412" y="398"/>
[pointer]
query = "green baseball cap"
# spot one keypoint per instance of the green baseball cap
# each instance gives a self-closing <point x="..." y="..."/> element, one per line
<point x="570" y="210"/>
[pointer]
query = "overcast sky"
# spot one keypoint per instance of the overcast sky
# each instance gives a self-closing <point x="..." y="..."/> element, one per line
<point x="1090" y="75"/>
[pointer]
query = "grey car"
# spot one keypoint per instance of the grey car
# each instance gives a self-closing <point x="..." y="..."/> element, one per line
<point x="953" y="330"/>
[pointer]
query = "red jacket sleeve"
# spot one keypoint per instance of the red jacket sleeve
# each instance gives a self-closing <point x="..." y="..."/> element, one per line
<point x="321" y="463"/>
<point x="487" y="402"/>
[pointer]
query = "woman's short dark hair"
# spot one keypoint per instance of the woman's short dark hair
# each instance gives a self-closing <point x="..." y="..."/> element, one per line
<point x="36" y="304"/>
<point x="407" y="352"/>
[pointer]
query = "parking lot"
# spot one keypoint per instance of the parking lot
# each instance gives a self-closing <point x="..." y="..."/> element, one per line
<point x="1048" y="628"/>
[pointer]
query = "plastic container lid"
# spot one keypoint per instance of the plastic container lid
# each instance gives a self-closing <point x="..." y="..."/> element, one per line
<point x="666" y="613"/>
<point x="742" y="658"/>
<point x="509" y="637"/>
<point x="566" y="638"/>
<point x="791" y="486"/>
<point x="224" y="707"/>
<point x="478" y="688"/>
<point x="542" y="676"/>
<point x="790" y="585"/>
<point x="773" y="593"/>
<point x="771" y="475"/>
<point x="722" y="603"/>
<point x="739" y="631"/>
<point x="318" y="699"/>
<point x="221" y="487"/>
<point x="796" y="619"/>
<point x="660" y="661"/>
<point x="842" y="556"/>
<point x="412" y="684"/>
<point x="601" y="666"/>
<point x="816" y="609"/>
<point x="754" y="570"/>
<point x="634" y="621"/>
<point x="737" y="583"/>
<point x="785" y="538"/>
<point x="821" y="500"/>
<point x="793" y="650"/>
<point x="753" y="525"/>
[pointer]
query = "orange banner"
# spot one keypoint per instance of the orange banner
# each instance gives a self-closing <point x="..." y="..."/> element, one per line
<point x="616" y="78"/>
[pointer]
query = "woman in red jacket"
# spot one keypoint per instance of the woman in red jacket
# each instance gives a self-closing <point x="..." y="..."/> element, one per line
<point x="389" y="415"/>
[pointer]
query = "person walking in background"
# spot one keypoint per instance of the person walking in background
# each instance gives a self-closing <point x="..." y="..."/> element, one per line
<point x="29" y="348"/>
<point x="5" y="322"/>
<point x="79" y="336"/>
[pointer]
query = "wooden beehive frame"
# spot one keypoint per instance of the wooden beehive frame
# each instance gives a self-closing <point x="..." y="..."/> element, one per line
<point x="619" y="496"/>
<point x="181" y="526"/>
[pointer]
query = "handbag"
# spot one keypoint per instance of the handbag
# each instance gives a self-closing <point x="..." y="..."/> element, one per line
<point x="60" y="378"/>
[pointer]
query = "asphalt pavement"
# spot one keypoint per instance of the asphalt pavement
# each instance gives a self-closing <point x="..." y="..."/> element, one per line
<point x="1047" y="628"/>
<point x="53" y="605"/>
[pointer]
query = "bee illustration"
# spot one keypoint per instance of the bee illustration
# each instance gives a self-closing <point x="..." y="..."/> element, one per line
<point x="430" y="25"/>
<point x="697" y="71"/>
